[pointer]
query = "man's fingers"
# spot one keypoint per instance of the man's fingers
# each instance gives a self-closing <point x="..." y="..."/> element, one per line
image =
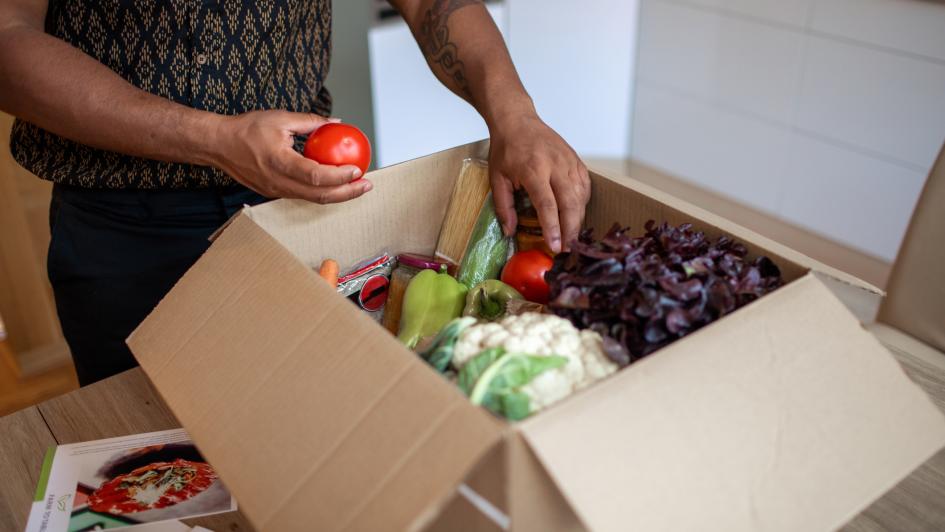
<point x="585" y="181"/>
<point x="304" y="123"/>
<point x="570" y="196"/>
<point x="309" y="172"/>
<point x="344" y="192"/>
<point x="324" y="195"/>
<point x="543" y="198"/>
<point x="504" y="199"/>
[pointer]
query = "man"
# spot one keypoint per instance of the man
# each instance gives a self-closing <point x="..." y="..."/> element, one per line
<point x="156" y="120"/>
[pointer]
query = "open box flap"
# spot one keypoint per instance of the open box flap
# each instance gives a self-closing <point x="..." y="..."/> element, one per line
<point x="313" y="419"/>
<point x="805" y="420"/>
<point x="916" y="290"/>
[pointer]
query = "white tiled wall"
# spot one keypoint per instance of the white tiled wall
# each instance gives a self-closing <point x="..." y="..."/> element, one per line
<point x="725" y="60"/>
<point x="878" y="101"/>
<point x="719" y="150"/>
<point x="793" y="12"/>
<point x="576" y="61"/>
<point x="913" y="26"/>
<point x="827" y="113"/>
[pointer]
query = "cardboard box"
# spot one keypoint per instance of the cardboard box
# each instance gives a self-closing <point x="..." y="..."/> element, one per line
<point x="785" y="415"/>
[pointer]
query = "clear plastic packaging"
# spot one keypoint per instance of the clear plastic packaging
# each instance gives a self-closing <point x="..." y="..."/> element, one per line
<point x="488" y="248"/>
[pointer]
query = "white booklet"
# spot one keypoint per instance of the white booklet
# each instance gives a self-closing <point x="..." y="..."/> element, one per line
<point x="122" y="482"/>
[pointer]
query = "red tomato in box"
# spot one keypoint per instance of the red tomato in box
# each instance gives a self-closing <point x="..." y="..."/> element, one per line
<point x="525" y="272"/>
<point x="338" y="144"/>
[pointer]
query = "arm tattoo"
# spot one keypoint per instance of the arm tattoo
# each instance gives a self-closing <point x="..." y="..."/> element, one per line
<point x="436" y="44"/>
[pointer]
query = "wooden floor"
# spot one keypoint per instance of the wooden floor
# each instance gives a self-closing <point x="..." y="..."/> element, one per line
<point x="18" y="392"/>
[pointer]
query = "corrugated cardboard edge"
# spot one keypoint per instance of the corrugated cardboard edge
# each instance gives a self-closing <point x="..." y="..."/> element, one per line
<point x="244" y="211"/>
<point x="730" y="499"/>
<point x="536" y="501"/>
<point x="739" y="231"/>
<point x="479" y="504"/>
<point x="463" y="514"/>
<point x="916" y="300"/>
<point x="862" y="303"/>
<point x="512" y="480"/>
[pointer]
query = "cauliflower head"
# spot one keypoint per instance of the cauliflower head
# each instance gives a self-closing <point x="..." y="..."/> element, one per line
<point x="544" y="335"/>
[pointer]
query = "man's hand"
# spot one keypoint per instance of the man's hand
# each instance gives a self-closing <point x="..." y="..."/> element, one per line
<point x="466" y="52"/>
<point x="527" y="153"/>
<point x="256" y="150"/>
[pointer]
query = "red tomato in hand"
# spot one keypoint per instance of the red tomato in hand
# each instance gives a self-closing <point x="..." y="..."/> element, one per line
<point x="338" y="144"/>
<point x="525" y="272"/>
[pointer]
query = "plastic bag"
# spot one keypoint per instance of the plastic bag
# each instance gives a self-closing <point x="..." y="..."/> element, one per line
<point x="488" y="248"/>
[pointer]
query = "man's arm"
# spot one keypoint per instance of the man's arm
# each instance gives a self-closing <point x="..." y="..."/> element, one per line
<point x="56" y="86"/>
<point x="466" y="52"/>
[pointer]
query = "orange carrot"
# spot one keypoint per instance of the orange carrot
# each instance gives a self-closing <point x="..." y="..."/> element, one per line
<point x="329" y="272"/>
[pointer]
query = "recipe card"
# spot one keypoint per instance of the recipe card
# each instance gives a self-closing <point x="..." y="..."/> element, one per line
<point x="126" y="481"/>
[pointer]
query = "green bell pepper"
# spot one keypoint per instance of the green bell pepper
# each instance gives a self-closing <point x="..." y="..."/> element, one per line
<point x="488" y="300"/>
<point x="432" y="299"/>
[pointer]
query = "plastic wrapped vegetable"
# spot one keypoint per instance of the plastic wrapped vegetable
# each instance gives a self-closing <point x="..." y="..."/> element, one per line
<point x="432" y="299"/>
<point x="489" y="300"/>
<point x="499" y="380"/>
<point x="439" y="354"/>
<point x="541" y="335"/>
<point x="487" y="250"/>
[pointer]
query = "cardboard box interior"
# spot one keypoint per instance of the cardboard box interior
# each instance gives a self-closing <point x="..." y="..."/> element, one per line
<point x="784" y="415"/>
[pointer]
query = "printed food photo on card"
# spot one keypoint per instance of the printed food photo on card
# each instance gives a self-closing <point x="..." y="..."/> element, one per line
<point x="120" y="482"/>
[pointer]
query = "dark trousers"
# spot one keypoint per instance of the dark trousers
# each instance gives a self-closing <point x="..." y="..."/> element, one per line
<point x="115" y="253"/>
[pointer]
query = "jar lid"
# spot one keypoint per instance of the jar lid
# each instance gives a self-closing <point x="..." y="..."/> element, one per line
<point x="421" y="262"/>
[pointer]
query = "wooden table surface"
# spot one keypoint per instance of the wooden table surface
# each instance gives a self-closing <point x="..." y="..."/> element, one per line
<point x="122" y="405"/>
<point x="128" y="404"/>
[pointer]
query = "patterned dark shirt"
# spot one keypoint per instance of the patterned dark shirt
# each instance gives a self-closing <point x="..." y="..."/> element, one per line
<point x="225" y="56"/>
